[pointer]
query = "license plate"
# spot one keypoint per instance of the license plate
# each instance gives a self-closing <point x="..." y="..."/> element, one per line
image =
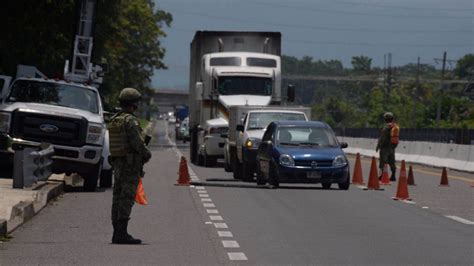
<point x="313" y="174"/>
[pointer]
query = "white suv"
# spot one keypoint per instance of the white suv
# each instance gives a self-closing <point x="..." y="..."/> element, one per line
<point x="67" y="115"/>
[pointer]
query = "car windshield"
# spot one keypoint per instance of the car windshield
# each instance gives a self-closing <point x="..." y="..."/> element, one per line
<point x="262" y="120"/>
<point x="54" y="94"/>
<point x="305" y="136"/>
<point x="245" y="85"/>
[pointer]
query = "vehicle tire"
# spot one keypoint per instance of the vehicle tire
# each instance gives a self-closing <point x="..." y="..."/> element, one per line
<point x="237" y="169"/>
<point x="227" y="167"/>
<point x="344" y="185"/>
<point x="106" y="177"/>
<point x="209" y="161"/>
<point x="91" y="178"/>
<point x="247" y="172"/>
<point x="326" y="185"/>
<point x="274" y="179"/>
<point x="193" y="146"/>
<point x="200" y="160"/>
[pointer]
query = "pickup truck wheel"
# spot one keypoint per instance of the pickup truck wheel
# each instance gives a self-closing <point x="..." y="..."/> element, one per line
<point x="200" y="160"/>
<point x="247" y="172"/>
<point x="209" y="161"/>
<point x="106" y="177"/>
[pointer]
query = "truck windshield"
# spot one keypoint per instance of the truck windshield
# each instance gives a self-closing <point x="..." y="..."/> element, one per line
<point x="54" y="94"/>
<point x="244" y="85"/>
<point x="262" y="120"/>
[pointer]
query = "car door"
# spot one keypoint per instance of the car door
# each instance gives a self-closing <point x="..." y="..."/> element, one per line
<point x="4" y="84"/>
<point x="264" y="150"/>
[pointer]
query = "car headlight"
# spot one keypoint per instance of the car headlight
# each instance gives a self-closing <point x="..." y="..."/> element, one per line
<point x="252" y="143"/>
<point x="95" y="133"/>
<point x="5" y="122"/>
<point x="339" y="161"/>
<point x="286" y="160"/>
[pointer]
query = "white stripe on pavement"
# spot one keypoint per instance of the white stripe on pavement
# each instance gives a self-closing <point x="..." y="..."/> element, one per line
<point x="230" y="244"/>
<point x="237" y="256"/>
<point x="221" y="225"/>
<point x="224" y="234"/>
<point x="209" y="205"/>
<point x="216" y="218"/>
<point x="459" y="219"/>
<point x="212" y="211"/>
<point x="206" y="200"/>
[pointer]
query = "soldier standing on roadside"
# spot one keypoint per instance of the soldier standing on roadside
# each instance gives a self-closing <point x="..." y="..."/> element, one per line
<point x="128" y="154"/>
<point x="387" y="144"/>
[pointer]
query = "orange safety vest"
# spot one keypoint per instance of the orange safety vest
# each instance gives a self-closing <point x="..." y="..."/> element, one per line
<point x="394" y="133"/>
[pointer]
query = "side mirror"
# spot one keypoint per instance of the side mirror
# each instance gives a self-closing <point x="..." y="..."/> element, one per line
<point x="224" y="135"/>
<point x="199" y="90"/>
<point x="240" y="128"/>
<point x="290" y="93"/>
<point x="344" y="145"/>
<point x="107" y="116"/>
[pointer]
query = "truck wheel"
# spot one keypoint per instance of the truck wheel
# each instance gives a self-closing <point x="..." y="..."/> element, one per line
<point x="247" y="172"/>
<point x="91" y="178"/>
<point x="106" y="177"/>
<point x="200" y="160"/>
<point x="209" y="161"/>
<point x="237" y="169"/>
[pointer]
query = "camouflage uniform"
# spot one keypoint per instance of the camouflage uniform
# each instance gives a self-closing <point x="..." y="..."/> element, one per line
<point x="128" y="154"/>
<point x="387" y="149"/>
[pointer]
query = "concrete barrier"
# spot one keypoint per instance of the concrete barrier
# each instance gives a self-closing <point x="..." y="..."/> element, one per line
<point x="453" y="156"/>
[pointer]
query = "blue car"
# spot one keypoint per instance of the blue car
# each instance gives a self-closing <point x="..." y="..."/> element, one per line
<point x="302" y="152"/>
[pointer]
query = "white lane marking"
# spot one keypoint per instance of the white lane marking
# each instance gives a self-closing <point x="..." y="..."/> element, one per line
<point x="199" y="187"/>
<point x="224" y="234"/>
<point x="459" y="219"/>
<point x="202" y="191"/>
<point x="208" y="222"/>
<point x="204" y="195"/>
<point x="206" y="200"/>
<point x="237" y="256"/>
<point x="210" y="211"/>
<point x="230" y="244"/>
<point x="425" y="207"/>
<point x="221" y="225"/>
<point x="209" y="205"/>
<point x="216" y="218"/>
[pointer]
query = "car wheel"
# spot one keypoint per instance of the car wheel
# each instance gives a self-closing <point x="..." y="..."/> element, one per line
<point x="106" y="177"/>
<point x="344" y="185"/>
<point x="247" y="172"/>
<point x="227" y="167"/>
<point x="200" y="160"/>
<point x="209" y="161"/>
<point x="274" y="179"/>
<point x="326" y="185"/>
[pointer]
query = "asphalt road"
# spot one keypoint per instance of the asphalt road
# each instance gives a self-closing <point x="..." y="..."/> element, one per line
<point x="224" y="222"/>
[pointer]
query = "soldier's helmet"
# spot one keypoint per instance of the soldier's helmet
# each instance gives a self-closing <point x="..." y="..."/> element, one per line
<point x="388" y="116"/>
<point x="129" y="95"/>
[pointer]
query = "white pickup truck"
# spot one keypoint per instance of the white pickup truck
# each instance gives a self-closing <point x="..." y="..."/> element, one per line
<point x="67" y="115"/>
<point x="247" y="125"/>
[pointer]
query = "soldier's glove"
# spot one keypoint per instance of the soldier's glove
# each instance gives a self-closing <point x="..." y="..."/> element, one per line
<point x="147" y="157"/>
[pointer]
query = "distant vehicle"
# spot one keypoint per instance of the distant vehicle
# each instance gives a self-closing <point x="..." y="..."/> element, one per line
<point x="302" y="152"/>
<point x="212" y="141"/>
<point x="182" y="131"/>
<point x="172" y="119"/>
<point x="181" y="113"/>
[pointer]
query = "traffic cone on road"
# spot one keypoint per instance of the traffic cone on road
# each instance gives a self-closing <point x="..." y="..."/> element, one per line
<point x="385" y="179"/>
<point x="444" y="178"/>
<point x="402" y="188"/>
<point x="411" y="178"/>
<point x="183" y="178"/>
<point x="373" y="183"/>
<point x="357" y="177"/>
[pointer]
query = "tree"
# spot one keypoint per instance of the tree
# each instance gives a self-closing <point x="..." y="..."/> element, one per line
<point x="465" y="67"/>
<point x="361" y="64"/>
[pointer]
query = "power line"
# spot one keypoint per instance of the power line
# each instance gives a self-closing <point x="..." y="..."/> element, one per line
<point x="404" y="7"/>
<point x="299" y="26"/>
<point x="322" y="10"/>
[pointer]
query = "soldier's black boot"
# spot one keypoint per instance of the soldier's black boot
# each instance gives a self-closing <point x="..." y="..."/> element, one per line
<point x="115" y="234"/>
<point x="122" y="237"/>
<point x="392" y="178"/>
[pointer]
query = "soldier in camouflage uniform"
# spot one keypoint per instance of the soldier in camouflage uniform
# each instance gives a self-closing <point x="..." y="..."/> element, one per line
<point x="128" y="154"/>
<point x="387" y="143"/>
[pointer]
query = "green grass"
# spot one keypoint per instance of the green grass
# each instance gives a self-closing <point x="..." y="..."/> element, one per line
<point x="143" y="122"/>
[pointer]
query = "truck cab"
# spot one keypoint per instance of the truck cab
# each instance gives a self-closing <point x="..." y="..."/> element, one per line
<point x="67" y="115"/>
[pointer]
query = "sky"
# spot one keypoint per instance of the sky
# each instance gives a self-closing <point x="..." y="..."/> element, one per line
<point x="325" y="29"/>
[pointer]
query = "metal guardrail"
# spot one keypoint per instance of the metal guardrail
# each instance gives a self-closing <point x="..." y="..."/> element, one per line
<point x="32" y="164"/>
<point x="440" y="135"/>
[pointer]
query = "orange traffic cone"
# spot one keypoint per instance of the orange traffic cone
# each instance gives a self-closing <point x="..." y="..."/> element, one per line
<point x="385" y="179"/>
<point x="411" y="178"/>
<point x="444" y="178"/>
<point x="183" y="179"/>
<point x="373" y="177"/>
<point x="357" y="177"/>
<point x="402" y="188"/>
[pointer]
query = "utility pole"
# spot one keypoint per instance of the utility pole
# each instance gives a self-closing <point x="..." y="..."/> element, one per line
<point x="441" y="90"/>
<point x="389" y="73"/>
<point x="415" y="93"/>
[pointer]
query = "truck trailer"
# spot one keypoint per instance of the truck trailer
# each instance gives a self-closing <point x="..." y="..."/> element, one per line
<point x="230" y="68"/>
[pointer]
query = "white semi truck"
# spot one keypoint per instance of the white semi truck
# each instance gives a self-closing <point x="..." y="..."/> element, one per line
<point x="230" y="68"/>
